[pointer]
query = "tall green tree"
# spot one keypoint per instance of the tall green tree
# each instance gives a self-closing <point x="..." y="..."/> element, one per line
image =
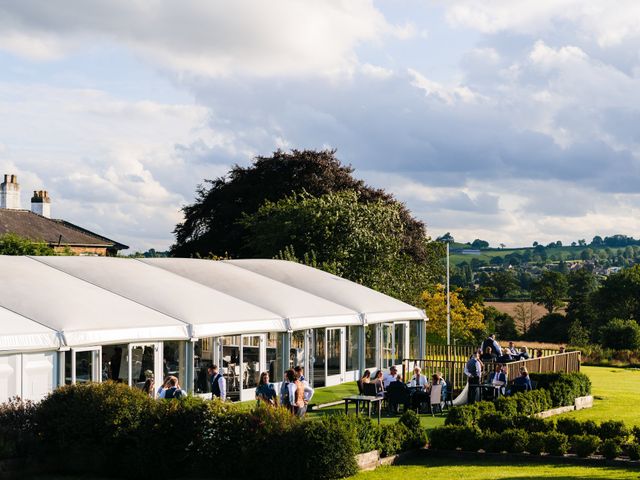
<point x="582" y="286"/>
<point x="212" y="224"/>
<point x="360" y="241"/>
<point x="619" y="296"/>
<point x="502" y="283"/>
<point x="549" y="290"/>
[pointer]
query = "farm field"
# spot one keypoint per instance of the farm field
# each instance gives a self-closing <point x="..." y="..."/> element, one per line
<point x="448" y="468"/>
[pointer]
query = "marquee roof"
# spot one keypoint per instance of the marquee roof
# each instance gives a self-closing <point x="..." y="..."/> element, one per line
<point x="48" y="302"/>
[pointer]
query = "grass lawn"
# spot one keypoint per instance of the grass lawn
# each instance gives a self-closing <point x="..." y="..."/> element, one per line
<point x="616" y="392"/>
<point x="448" y="468"/>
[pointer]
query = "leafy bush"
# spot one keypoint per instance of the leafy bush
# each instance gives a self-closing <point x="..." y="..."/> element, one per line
<point x="585" y="445"/>
<point x="556" y="443"/>
<point x="620" y="334"/>
<point x="393" y="439"/>
<point x="532" y="424"/>
<point x="88" y="427"/>
<point x="513" y="441"/>
<point x="495" y="422"/>
<point x="17" y="434"/>
<point x="451" y="437"/>
<point x="612" y="429"/>
<point x="537" y="443"/>
<point x="491" y="442"/>
<point x="321" y="452"/>
<point x="563" y="388"/>
<point x="571" y="426"/>
<point x="417" y="434"/>
<point x="633" y="450"/>
<point x="467" y="415"/>
<point x="611" y="449"/>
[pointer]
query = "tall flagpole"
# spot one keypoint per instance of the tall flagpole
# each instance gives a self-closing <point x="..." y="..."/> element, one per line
<point x="448" y="302"/>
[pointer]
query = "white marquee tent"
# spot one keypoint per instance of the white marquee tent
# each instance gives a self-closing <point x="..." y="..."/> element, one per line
<point x="73" y="319"/>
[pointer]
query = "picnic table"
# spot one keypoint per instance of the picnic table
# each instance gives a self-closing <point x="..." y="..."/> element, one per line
<point x="367" y="400"/>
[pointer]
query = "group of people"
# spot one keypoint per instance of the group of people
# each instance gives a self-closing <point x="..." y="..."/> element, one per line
<point x="411" y="395"/>
<point x="170" y="389"/>
<point x="295" y="391"/>
<point x="490" y="351"/>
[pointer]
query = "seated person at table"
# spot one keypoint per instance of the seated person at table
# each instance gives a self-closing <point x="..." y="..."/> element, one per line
<point x="523" y="382"/>
<point x="512" y="349"/>
<point x="498" y="378"/>
<point x="366" y="377"/>
<point x="379" y="383"/>
<point x="524" y="353"/>
<point x="506" y="357"/>
<point x="390" y="377"/>
<point x="398" y="394"/>
<point x="488" y="355"/>
<point x="418" y="380"/>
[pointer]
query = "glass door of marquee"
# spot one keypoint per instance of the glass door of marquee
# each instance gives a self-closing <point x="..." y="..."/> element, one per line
<point x="145" y="361"/>
<point x="394" y="343"/>
<point x="335" y="353"/>
<point x="252" y="363"/>
<point x="83" y="365"/>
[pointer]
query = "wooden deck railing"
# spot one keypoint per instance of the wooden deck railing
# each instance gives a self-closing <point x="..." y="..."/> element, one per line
<point x="463" y="352"/>
<point x="453" y="370"/>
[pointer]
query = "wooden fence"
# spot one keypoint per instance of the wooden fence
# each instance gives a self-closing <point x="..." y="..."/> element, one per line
<point x="453" y="370"/>
<point x="463" y="352"/>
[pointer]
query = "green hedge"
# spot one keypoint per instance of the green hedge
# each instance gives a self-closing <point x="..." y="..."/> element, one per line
<point x="110" y="427"/>
<point x="563" y="388"/>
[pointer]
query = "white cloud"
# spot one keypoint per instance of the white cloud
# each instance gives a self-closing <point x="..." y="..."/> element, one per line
<point x="203" y="38"/>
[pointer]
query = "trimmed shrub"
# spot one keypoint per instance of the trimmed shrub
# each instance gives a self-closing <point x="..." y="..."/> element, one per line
<point x="393" y="439"/>
<point x="537" y="443"/>
<point x="417" y="434"/>
<point x="532" y="424"/>
<point x="468" y="415"/>
<point x="556" y="443"/>
<point x="569" y="426"/>
<point x="321" y="452"/>
<point x="563" y="388"/>
<point x="491" y="442"/>
<point x="451" y="437"/>
<point x="585" y="445"/>
<point x="635" y="431"/>
<point x="611" y="449"/>
<point x="507" y="406"/>
<point x="633" y="450"/>
<point x="495" y="422"/>
<point x="612" y="429"/>
<point x="513" y="441"/>
<point x="88" y="427"/>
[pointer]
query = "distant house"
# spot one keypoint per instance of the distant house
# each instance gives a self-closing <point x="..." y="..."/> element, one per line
<point x="36" y="224"/>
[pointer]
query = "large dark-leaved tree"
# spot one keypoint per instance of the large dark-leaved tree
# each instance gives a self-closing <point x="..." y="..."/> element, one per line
<point x="211" y="224"/>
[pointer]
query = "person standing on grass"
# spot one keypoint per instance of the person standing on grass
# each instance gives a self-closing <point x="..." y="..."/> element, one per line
<point x="300" y="373"/>
<point x="218" y="384"/>
<point x="265" y="392"/>
<point x="299" y="394"/>
<point x="473" y="371"/>
<point x="173" y="390"/>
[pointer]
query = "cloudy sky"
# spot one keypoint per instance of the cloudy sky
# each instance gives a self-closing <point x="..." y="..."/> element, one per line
<point x="507" y="120"/>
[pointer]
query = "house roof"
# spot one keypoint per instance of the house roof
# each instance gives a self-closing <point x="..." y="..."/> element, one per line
<point x="54" y="232"/>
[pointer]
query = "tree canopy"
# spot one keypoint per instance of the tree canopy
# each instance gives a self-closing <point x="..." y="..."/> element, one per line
<point x="550" y="290"/>
<point x="360" y="241"/>
<point x="212" y="224"/>
<point x="12" y="244"/>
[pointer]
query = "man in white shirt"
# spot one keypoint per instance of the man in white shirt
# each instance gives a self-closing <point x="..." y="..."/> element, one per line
<point x="298" y="405"/>
<point x="418" y="379"/>
<point x="512" y="349"/>
<point x="389" y="377"/>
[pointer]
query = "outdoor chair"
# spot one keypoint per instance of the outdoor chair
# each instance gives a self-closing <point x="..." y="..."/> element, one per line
<point x="448" y="399"/>
<point x="369" y="389"/>
<point x="396" y="396"/>
<point x="436" y="399"/>
<point x="360" y="389"/>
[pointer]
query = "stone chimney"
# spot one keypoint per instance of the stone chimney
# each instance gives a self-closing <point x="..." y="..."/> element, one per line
<point x="41" y="203"/>
<point x="10" y="193"/>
